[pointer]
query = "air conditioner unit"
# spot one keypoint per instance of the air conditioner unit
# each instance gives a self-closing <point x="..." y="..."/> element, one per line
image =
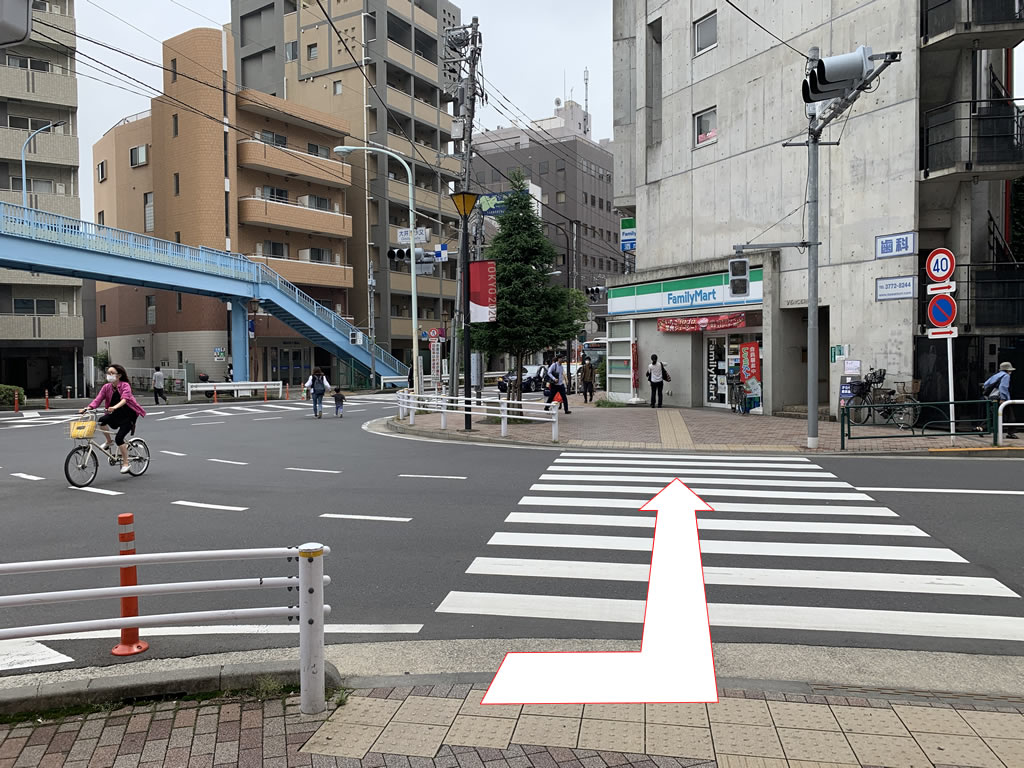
<point x="259" y="192"/>
<point x="304" y="254"/>
<point x="64" y="309"/>
<point x="165" y="363"/>
<point x="61" y="189"/>
<point x="337" y="258"/>
<point x="259" y="249"/>
<point x="303" y="200"/>
<point x="338" y="309"/>
<point x="337" y="208"/>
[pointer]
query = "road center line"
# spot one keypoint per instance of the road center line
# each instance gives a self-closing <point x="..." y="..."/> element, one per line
<point x="947" y="490"/>
<point x="174" y="453"/>
<point x="24" y="476"/>
<point x="306" y="469"/>
<point x="437" y="477"/>
<point x="368" y="517"/>
<point x="209" y="506"/>
<point x="227" y="461"/>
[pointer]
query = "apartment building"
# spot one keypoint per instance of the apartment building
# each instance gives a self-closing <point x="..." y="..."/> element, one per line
<point x="213" y="164"/>
<point x="286" y="48"/>
<point x="45" y="320"/>
<point x="574" y="174"/>
<point x="703" y="102"/>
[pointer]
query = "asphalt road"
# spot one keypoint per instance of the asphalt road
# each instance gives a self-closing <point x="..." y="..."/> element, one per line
<point x="483" y="554"/>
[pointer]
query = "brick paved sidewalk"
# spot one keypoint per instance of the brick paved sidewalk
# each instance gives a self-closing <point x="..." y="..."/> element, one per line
<point x="698" y="429"/>
<point x="446" y="727"/>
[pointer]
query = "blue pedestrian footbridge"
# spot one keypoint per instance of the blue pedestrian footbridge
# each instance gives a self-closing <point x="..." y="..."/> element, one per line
<point x="45" y="242"/>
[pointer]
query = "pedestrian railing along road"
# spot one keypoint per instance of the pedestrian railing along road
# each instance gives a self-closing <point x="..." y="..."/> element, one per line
<point x="973" y="418"/>
<point x="409" y="404"/>
<point x="1001" y="424"/>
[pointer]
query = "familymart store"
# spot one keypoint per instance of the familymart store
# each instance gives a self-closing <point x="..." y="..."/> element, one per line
<point x="710" y="341"/>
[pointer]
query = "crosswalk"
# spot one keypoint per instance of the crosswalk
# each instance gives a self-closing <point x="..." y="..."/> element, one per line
<point x="266" y="409"/>
<point x="788" y="547"/>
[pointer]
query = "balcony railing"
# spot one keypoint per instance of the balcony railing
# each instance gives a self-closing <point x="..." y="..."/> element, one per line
<point x="42" y="327"/>
<point x="961" y="23"/>
<point x="983" y="138"/>
<point x="295" y="164"/>
<point x="278" y="214"/>
<point x="308" y="271"/>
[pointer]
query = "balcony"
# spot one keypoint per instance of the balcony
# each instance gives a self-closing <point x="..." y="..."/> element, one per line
<point x="968" y="140"/>
<point x="425" y="68"/>
<point x="400" y="54"/>
<point x="265" y="105"/>
<point x="401" y="282"/>
<point x="305" y="272"/>
<point x="64" y="205"/>
<point x="399" y="100"/>
<point x="424" y="19"/>
<point x="962" y="24"/>
<point x="293" y="164"/>
<point x="293" y="218"/>
<point x="64" y="36"/>
<point x="398" y="191"/>
<point x="52" y="148"/>
<point x="401" y="327"/>
<point x="43" y="87"/>
<point x="400" y="145"/>
<point x="42" y="328"/>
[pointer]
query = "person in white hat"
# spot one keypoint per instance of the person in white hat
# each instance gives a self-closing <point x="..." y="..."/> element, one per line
<point x="1000" y="382"/>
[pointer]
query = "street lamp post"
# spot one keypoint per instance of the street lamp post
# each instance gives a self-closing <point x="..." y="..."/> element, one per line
<point x="24" y="148"/>
<point x="412" y="251"/>
<point x="464" y="202"/>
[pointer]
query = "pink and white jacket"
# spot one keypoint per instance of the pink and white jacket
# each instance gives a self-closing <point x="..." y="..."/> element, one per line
<point x="106" y="394"/>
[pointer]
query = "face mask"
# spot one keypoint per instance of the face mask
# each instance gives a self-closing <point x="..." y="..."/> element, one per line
<point x="111" y="378"/>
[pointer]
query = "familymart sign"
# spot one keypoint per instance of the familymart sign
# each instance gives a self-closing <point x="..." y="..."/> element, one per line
<point x="686" y="293"/>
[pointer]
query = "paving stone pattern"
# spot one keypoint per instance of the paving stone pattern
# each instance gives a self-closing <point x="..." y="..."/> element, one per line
<point x="447" y="727"/>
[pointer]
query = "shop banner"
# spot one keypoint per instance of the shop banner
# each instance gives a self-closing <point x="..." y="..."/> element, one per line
<point x="483" y="292"/>
<point x="704" y="323"/>
<point x="750" y="368"/>
<point x="636" y="366"/>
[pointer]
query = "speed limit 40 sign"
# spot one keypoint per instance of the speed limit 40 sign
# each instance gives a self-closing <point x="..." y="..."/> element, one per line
<point x="940" y="265"/>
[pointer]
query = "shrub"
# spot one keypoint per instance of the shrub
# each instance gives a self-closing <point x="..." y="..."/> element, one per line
<point x="7" y="395"/>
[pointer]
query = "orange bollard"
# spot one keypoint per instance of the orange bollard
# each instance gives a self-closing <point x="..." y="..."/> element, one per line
<point x="286" y="395"/>
<point x="46" y="392"/>
<point x="264" y="393"/>
<point x="215" y="393"/>
<point x="130" y="643"/>
<point x="15" y="401"/>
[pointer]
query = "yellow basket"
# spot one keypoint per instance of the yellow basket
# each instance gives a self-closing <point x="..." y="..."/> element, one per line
<point x="81" y="430"/>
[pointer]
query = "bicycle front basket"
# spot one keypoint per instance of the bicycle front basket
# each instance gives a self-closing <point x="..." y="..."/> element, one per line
<point x="81" y="430"/>
<point x="859" y="388"/>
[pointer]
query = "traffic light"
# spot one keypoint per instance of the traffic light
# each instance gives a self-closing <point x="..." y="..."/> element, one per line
<point x="594" y="292"/>
<point x="15" y="22"/>
<point x="739" y="278"/>
<point x="402" y="254"/>
<point x="356" y="338"/>
<point x="835" y="76"/>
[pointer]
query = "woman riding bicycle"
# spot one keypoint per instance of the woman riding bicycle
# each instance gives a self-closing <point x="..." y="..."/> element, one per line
<point x="122" y="411"/>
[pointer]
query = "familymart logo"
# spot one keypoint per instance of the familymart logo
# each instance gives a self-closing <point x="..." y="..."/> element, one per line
<point x="694" y="296"/>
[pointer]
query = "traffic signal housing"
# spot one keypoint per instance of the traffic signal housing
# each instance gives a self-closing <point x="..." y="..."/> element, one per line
<point x="15" y="22"/>
<point x="739" y="278"/>
<point x="836" y="76"/>
<point x="594" y="292"/>
<point x="403" y="254"/>
<point x="356" y="338"/>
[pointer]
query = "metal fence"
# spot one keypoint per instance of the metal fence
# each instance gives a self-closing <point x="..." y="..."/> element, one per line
<point x="309" y="613"/>
<point x="238" y="388"/>
<point x="933" y="420"/>
<point x="175" y="379"/>
<point x="410" y="403"/>
<point x="973" y="132"/>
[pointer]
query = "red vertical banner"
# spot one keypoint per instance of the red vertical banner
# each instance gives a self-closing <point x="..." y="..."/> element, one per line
<point x="750" y="368"/>
<point x="483" y="292"/>
<point x="636" y="366"/>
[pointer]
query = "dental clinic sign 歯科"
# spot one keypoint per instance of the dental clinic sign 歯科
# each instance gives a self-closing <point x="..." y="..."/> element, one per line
<point x="686" y="293"/>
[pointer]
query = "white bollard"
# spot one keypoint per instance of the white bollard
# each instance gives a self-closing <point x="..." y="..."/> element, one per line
<point x="412" y="409"/>
<point x="504" y="418"/>
<point x="554" y="425"/>
<point x="444" y="414"/>
<point x="312" y="690"/>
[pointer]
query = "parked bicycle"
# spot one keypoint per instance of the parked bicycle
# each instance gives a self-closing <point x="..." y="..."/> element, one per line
<point x="82" y="463"/>
<point x="870" y="400"/>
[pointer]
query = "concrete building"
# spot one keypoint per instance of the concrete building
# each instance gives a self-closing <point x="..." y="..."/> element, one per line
<point x="286" y="49"/>
<point x="703" y="101"/>
<point x="233" y="169"/>
<point x="574" y="174"/>
<point x="44" y="320"/>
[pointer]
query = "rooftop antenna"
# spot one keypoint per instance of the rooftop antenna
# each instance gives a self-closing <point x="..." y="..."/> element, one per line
<point x="586" y="101"/>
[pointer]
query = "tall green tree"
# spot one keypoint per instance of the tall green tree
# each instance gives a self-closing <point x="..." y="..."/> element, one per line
<point x="533" y="313"/>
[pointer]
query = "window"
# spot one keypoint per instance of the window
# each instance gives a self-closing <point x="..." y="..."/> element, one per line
<point x="181" y="359"/>
<point x="277" y="139"/>
<point x="319" y="150"/>
<point x="652" y="82"/>
<point x="28" y="123"/>
<point x="600" y="203"/>
<point x="103" y="313"/>
<point x="178" y="301"/>
<point x="174" y="125"/>
<point x="495" y="176"/>
<point x="544" y="200"/>
<point x="337" y="87"/>
<point x="147" y="207"/>
<point x="559" y="197"/>
<point x="275" y="250"/>
<point x="705" y="33"/>
<point x="177" y="237"/>
<point x="151" y="310"/>
<point x="559" y="164"/>
<point x="705" y="126"/>
<point x="322" y="255"/>
<point x="317" y="202"/>
<point x="174" y="70"/>
<point x="311" y="52"/>
<point x="177" y="185"/>
<point x="291" y="50"/>
<point x="593" y="201"/>
<point x="24" y="62"/>
<point x="35" y="306"/>
<point x="542" y="167"/>
<point x="275" y="193"/>
<point x="101" y="171"/>
<point x="38" y="186"/>
<point x="137" y="156"/>
<point x="100" y="218"/>
<point x="138" y="353"/>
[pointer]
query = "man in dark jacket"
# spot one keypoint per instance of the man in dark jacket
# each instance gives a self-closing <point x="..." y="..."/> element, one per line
<point x="587" y="376"/>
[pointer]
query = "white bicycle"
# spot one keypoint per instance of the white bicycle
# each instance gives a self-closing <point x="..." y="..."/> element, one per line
<point x="82" y="463"/>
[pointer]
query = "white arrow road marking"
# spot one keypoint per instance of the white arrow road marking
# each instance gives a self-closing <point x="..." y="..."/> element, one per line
<point x="24" y="476"/>
<point x="307" y="469"/>
<point x="209" y="506"/>
<point x="18" y="654"/>
<point x="243" y="629"/>
<point x="369" y="517"/>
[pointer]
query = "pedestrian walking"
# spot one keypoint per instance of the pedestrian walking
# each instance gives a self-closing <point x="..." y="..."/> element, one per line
<point x="556" y="371"/>
<point x="158" y="385"/>
<point x="317" y="386"/>
<point x="339" y="403"/>
<point x="587" y="376"/>
<point x="997" y="387"/>
<point x="657" y="375"/>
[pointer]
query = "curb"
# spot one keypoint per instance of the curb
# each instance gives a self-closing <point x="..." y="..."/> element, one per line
<point x="180" y="682"/>
<point x="996" y="452"/>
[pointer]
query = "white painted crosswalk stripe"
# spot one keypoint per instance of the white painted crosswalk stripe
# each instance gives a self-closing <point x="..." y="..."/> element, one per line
<point x="823" y="537"/>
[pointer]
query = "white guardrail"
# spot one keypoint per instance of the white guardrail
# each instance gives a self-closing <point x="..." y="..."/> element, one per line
<point x="528" y="410"/>
<point x="428" y="381"/>
<point x="234" y="387"/>
<point x="309" y="613"/>
<point x="999" y="419"/>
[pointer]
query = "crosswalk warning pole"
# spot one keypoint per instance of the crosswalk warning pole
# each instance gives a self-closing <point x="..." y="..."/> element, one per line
<point x="264" y="393"/>
<point x="130" y="644"/>
<point x="286" y="395"/>
<point x="15" y="401"/>
<point x="46" y="393"/>
<point x="215" y="393"/>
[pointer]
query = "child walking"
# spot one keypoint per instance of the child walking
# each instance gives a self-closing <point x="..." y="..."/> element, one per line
<point x="339" y="403"/>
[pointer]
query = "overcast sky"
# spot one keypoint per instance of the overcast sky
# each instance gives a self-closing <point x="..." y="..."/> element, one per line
<point x="528" y="44"/>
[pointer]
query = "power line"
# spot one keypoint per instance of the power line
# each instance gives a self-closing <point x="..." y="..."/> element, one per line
<point x="763" y="27"/>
